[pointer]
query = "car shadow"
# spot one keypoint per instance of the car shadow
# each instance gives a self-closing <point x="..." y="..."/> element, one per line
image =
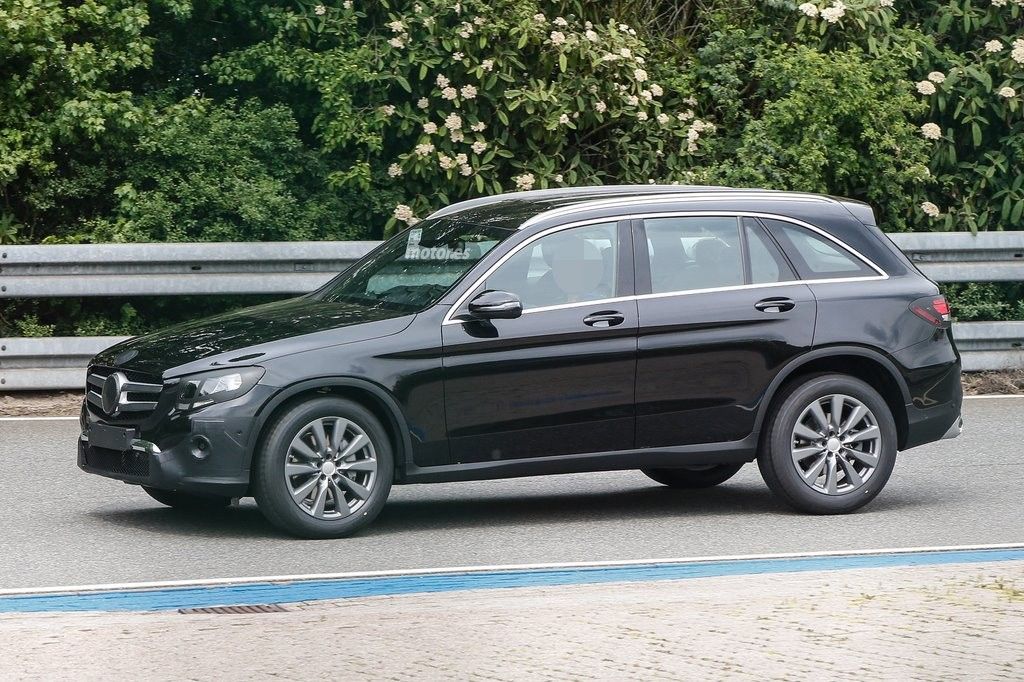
<point x="478" y="509"/>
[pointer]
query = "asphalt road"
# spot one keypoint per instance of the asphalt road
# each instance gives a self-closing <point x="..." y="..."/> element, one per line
<point x="60" y="526"/>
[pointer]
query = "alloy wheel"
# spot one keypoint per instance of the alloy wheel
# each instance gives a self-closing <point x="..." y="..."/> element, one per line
<point x="331" y="468"/>
<point x="836" y="444"/>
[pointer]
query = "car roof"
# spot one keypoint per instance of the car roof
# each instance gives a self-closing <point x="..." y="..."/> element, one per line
<point x="519" y="209"/>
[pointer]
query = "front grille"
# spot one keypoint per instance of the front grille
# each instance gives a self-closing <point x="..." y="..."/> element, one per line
<point x="131" y="463"/>
<point x="131" y="395"/>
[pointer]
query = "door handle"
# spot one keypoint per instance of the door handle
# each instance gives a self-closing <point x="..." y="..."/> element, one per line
<point x="604" y="318"/>
<point x="776" y="304"/>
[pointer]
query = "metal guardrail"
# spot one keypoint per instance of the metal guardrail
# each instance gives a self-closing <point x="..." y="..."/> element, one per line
<point x="298" y="267"/>
<point x="59" y="363"/>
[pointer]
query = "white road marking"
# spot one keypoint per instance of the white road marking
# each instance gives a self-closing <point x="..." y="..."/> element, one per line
<point x="211" y="582"/>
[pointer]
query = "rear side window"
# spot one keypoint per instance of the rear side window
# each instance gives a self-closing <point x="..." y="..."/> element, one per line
<point x="699" y="252"/>
<point x="814" y="256"/>
<point x="767" y="264"/>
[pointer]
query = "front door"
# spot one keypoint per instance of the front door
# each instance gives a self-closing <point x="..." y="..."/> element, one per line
<point x="721" y="312"/>
<point x="559" y="380"/>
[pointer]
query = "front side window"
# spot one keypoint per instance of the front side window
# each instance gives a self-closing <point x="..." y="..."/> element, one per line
<point x="815" y="256"/>
<point x="570" y="266"/>
<point x="415" y="268"/>
<point x="694" y="252"/>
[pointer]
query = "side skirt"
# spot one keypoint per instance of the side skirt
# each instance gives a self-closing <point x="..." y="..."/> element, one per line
<point x="732" y="452"/>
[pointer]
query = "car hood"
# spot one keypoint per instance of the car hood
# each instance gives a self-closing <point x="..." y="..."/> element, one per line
<point x="252" y="335"/>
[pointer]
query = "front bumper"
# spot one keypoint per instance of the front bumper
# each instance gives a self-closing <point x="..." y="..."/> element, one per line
<point x="163" y="451"/>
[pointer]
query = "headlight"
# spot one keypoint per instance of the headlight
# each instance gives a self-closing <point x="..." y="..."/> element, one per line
<point x="217" y="387"/>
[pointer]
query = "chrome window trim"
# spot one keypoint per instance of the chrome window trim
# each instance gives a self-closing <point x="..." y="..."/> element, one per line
<point x="882" y="275"/>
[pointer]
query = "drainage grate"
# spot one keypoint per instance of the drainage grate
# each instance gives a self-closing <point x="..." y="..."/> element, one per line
<point x="245" y="608"/>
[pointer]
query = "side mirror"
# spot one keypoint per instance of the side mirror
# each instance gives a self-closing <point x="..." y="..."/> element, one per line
<point x="495" y="305"/>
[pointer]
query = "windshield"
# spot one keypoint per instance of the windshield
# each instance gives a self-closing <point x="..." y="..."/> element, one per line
<point x="415" y="268"/>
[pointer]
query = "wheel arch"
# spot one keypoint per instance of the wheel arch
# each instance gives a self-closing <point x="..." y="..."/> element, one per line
<point x="863" y="363"/>
<point x="373" y="397"/>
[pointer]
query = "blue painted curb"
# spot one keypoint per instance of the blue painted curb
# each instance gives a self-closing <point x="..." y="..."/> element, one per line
<point x="347" y="588"/>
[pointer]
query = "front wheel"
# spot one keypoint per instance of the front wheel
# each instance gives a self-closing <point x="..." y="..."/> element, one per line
<point x="324" y="470"/>
<point x="830" y="445"/>
<point x="694" y="477"/>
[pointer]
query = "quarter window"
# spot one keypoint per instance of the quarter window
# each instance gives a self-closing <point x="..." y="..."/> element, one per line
<point x="570" y="266"/>
<point x="815" y="256"/>
<point x="767" y="264"/>
<point x="697" y="252"/>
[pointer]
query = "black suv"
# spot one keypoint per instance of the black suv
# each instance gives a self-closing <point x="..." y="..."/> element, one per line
<point x="683" y="331"/>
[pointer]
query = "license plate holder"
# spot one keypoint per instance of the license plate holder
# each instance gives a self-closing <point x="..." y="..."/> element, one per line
<point x="111" y="437"/>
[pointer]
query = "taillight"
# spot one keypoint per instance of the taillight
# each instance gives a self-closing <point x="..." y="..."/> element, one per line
<point x="932" y="309"/>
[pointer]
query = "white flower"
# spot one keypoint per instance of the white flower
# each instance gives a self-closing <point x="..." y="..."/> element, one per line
<point x="930" y="209"/>
<point x="926" y="87"/>
<point x="809" y="8"/>
<point x="640" y="75"/>
<point x="479" y="147"/>
<point x="885" y="3"/>
<point x="468" y="91"/>
<point x="449" y="93"/>
<point x="624" y="28"/>
<point x="478" y="127"/>
<point x="430" y="128"/>
<point x="626" y="52"/>
<point x="461" y="159"/>
<point x="937" y="77"/>
<point x="487" y="65"/>
<point x="424" y="149"/>
<point x="1007" y="92"/>
<point x="640" y="60"/>
<point x="646" y="95"/>
<point x="423" y="103"/>
<point x="632" y="100"/>
<point x="320" y="10"/>
<point x="442" y="81"/>
<point x="347" y="4"/>
<point x="540" y="18"/>
<point x="600" y="106"/>
<point x="691" y="146"/>
<point x="524" y="181"/>
<point x="457" y="136"/>
<point x="557" y="38"/>
<point x="656" y="90"/>
<point x="834" y="13"/>
<point x="457" y="56"/>
<point x="446" y="162"/>
<point x="403" y="213"/>
<point x="388" y="109"/>
<point x="467" y="29"/>
<point x="417" y="8"/>
<point x="479" y="21"/>
<point x="466" y="169"/>
<point x="428" y="21"/>
<point x="663" y="118"/>
<point x="993" y="46"/>
<point x="999" y="3"/>
<point x="641" y="115"/>
<point x="453" y="121"/>
<point x="396" y="26"/>
<point x="394" y="170"/>
<point x="396" y="42"/>
<point x="684" y="115"/>
<point x="1017" y="54"/>
<point x="591" y="35"/>
<point x="559" y="21"/>
<point x="557" y="177"/>
<point x="931" y="131"/>
<point x="563" y="119"/>
<point x="692" y="134"/>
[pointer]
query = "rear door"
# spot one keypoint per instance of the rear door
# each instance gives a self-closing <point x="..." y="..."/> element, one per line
<point x="721" y="311"/>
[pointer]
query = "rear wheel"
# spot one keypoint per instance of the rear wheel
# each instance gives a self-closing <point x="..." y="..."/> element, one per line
<point x="179" y="500"/>
<point x="324" y="470"/>
<point x="694" y="477"/>
<point x="830" y="445"/>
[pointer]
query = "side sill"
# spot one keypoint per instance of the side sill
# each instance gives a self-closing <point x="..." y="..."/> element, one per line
<point x="733" y="452"/>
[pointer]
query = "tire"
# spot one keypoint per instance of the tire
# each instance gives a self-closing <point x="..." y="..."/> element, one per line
<point x="847" y="480"/>
<point x="179" y="500"/>
<point x="362" y="479"/>
<point x="696" y="477"/>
